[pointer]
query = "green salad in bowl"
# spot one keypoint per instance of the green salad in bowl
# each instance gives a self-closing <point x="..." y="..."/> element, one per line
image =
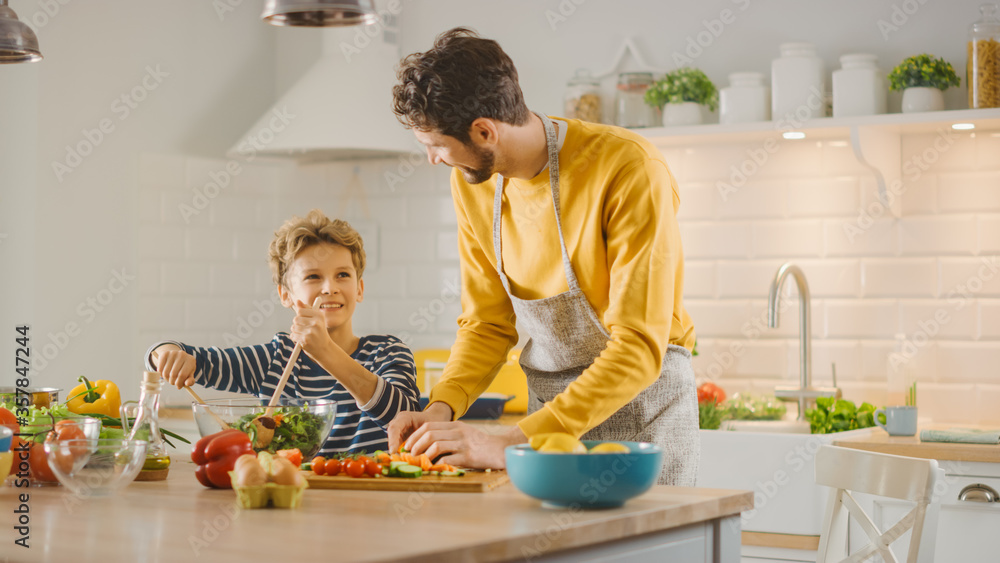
<point x="293" y="424"/>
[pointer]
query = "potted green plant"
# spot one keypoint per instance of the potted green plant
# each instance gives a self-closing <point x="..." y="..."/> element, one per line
<point x="923" y="78"/>
<point x="681" y="93"/>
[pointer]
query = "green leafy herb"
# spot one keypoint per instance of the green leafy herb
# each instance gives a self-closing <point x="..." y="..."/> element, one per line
<point x="683" y="85"/>
<point x="923" y="71"/>
<point x="710" y="415"/>
<point x="839" y="415"/>
<point x="296" y="430"/>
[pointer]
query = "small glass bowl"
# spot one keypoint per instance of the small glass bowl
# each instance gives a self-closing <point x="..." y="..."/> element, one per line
<point x="95" y="468"/>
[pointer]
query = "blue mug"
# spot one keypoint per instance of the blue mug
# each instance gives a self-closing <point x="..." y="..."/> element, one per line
<point x="899" y="421"/>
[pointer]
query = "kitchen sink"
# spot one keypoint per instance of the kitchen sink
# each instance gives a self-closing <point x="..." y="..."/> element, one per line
<point x="779" y="426"/>
<point x="778" y="467"/>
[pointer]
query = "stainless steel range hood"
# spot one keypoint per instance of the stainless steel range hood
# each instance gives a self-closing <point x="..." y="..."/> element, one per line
<point x="341" y="108"/>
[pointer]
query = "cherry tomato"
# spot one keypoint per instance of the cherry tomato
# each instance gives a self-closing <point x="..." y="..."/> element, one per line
<point x="319" y="465"/>
<point x="39" y="464"/>
<point x="333" y="466"/>
<point x="372" y="468"/>
<point x="354" y="468"/>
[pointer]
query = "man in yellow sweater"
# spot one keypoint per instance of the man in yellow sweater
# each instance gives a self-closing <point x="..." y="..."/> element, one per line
<point x="570" y="228"/>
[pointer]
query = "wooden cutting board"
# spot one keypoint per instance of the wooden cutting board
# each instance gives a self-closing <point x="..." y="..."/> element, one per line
<point x="471" y="482"/>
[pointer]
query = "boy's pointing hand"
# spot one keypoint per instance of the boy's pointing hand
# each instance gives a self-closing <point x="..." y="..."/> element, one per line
<point x="309" y="327"/>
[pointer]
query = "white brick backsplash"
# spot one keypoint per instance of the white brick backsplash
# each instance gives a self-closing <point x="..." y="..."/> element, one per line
<point x="787" y="239"/>
<point x="447" y="246"/>
<point x="200" y="171"/>
<point x="697" y="201"/>
<point x="845" y="353"/>
<point x="210" y="244"/>
<point x="937" y="319"/>
<point x="989" y="318"/>
<point x="870" y="238"/>
<point x="209" y="314"/>
<point x="719" y="318"/>
<point x="987" y="399"/>
<point x="447" y="318"/>
<point x="969" y="191"/>
<point x="433" y="280"/>
<point x="183" y="208"/>
<point x="410" y="315"/>
<point x="184" y="279"/>
<point x="407" y="246"/>
<point x="251" y="245"/>
<point x="872" y="318"/>
<point x="716" y="240"/>
<point x="149" y="204"/>
<point x="369" y="231"/>
<point x="823" y="197"/>
<point x="160" y="313"/>
<point x="788" y="318"/>
<point x="987" y="149"/>
<point x="753" y="199"/>
<point x="430" y="211"/>
<point x="162" y="170"/>
<point x="947" y="403"/>
<point x="839" y="159"/>
<point x="365" y="319"/>
<point x="920" y="195"/>
<point x="794" y="158"/>
<point x="917" y="359"/>
<point x="699" y="279"/>
<point x="962" y="278"/>
<point x="832" y="277"/>
<point x="287" y="207"/>
<point x="307" y="179"/>
<point x="933" y="236"/>
<point x="400" y="176"/>
<point x="942" y="151"/>
<point x="753" y="358"/>
<point x="989" y="234"/>
<point x="233" y="211"/>
<point x="263" y="282"/>
<point x="161" y="242"/>
<point x="861" y="392"/>
<point x="968" y="361"/>
<point x="262" y="179"/>
<point x="386" y="281"/>
<point x="745" y="278"/>
<point x="389" y="211"/>
<point x="911" y="277"/>
<point x="267" y="214"/>
<point x="234" y="279"/>
<point x="148" y="278"/>
<point x="712" y="162"/>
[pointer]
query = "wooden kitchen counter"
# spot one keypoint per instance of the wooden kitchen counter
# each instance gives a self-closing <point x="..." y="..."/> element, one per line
<point x="880" y="441"/>
<point x="180" y="520"/>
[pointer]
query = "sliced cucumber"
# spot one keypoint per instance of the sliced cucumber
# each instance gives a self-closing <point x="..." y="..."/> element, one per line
<point x="410" y="471"/>
<point x="456" y="473"/>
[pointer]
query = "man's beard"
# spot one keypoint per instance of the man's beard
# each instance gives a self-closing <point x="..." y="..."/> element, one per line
<point x="482" y="171"/>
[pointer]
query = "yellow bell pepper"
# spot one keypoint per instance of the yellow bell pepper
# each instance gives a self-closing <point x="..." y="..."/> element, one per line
<point x="99" y="397"/>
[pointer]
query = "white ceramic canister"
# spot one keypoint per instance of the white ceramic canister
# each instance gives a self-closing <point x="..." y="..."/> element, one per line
<point x="745" y="100"/>
<point x="859" y="88"/>
<point x="798" y="83"/>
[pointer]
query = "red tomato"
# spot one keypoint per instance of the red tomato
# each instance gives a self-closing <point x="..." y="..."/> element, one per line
<point x="293" y="455"/>
<point x="39" y="464"/>
<point x="318" y="465"/>
<point x="372" y="468"/>
<point x="333" y="466"/>
<point x="354" y="468"/>
<point x="8" y="418"/>
<point x="710" y="392"/>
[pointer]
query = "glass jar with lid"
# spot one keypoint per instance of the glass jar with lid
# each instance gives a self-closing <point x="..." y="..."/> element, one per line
<point x="583" y="97"/>
<point x="631" y="109"/>
<point x="983" y="70"/>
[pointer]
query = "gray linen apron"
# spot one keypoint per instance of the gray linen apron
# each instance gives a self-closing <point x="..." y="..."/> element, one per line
<point x="565" y="336"/>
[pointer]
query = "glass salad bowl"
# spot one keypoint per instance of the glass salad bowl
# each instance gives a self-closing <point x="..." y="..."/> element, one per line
<point x="95" y="468"/>
<point x="297" y="423"/>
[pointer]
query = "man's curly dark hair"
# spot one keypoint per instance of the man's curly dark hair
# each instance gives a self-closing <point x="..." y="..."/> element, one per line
<point x="461" y="78"/>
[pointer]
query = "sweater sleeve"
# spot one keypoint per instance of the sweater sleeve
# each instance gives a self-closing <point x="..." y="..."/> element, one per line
<point x="486" y="330"/>
<point x="240" y="370"/>
<point x="396" y="389"/>
<point x="643" y="249"/>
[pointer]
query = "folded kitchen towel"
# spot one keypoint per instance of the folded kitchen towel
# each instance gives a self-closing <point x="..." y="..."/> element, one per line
<point x="961" y="436"/>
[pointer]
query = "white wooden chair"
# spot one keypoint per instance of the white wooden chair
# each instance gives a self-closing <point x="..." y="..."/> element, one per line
<point x="849" y="471"/>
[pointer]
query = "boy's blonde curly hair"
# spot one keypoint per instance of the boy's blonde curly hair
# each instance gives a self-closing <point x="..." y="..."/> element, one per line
<point x="299" y="233"/>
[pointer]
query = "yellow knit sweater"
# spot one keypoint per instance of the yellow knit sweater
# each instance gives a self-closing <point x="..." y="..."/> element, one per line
<point x="619" y="206"/>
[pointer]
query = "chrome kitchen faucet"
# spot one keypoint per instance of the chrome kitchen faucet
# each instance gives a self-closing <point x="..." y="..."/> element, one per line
<point x="805" y="393"/>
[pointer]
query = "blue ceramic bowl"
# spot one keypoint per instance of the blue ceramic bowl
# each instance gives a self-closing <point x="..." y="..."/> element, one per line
<point x="584" y="480"/>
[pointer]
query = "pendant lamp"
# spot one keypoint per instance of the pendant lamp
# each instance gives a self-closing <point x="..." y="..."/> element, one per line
<point x="18" y="43"/>
<point x="318" y="13"/>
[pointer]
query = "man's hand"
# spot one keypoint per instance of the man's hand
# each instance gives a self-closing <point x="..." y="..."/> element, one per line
<point x="175" y="365"/>
<point x="405" y="423"/>
<point x="462" y="444"/>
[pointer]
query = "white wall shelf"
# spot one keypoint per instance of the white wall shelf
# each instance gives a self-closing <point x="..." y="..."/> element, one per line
<point x="875" y="138"/>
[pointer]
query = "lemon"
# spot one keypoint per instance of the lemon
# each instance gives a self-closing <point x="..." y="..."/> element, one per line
<point x="609" y="448"/>
<point x="562" y="443"/>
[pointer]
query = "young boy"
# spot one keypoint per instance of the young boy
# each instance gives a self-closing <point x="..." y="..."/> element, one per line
<point x="317" y="266"/>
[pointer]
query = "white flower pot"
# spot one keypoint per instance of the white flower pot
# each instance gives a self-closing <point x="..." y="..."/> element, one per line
<point x="684" y="113"/>
<point x="922" y="98"/>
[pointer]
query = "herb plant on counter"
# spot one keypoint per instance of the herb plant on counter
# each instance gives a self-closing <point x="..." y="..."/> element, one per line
<point x="839" y="415"/>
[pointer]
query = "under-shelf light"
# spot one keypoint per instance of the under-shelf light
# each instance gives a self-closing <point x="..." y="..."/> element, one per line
<point x="963" y="126"/>
<point x="793" y="135"/>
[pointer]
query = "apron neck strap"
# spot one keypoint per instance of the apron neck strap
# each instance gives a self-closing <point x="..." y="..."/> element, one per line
<point x="552" y="147"/>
